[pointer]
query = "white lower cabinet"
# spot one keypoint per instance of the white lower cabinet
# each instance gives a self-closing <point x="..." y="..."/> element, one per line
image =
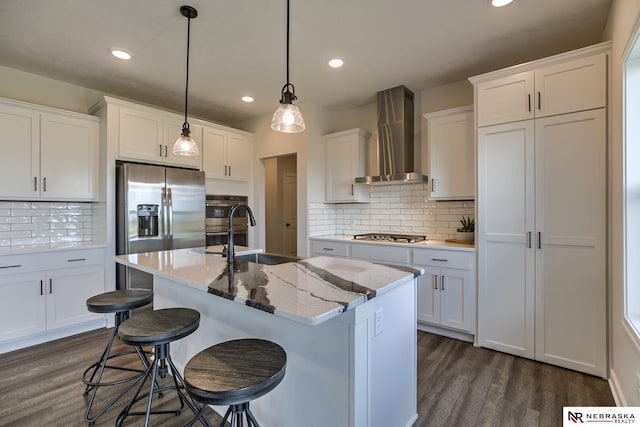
<point x="446" y="295"/>
<point x="46" y="296"/>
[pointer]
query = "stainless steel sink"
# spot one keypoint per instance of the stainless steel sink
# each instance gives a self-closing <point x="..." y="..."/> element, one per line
<point x="267" y="258"/>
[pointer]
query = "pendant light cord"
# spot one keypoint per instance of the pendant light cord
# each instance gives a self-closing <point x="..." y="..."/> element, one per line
<point x="287" y="42"/>
<point x="186" y="89"/>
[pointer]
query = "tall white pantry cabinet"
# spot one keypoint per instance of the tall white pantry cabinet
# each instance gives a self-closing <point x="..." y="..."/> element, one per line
<point x="541" y="209"/>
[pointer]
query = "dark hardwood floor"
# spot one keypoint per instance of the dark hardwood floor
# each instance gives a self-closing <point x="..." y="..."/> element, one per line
<point x="458" y="385"/>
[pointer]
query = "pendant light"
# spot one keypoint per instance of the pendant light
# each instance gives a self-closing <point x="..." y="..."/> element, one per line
<point x="185" y="145"/>
<point x="287" y="118"/>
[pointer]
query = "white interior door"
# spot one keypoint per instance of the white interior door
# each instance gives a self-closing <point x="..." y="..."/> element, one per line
<point x="290" y="218"/>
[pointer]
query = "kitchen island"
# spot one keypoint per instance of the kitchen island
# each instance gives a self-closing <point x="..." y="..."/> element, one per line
<point x="348" y="328"/>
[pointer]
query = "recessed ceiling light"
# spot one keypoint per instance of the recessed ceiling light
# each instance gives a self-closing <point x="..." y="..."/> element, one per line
<point x="121" y="53"/>
<point x="500" y="3"/>
<point x="336" y="63"/>
<point x="247" y="98"/>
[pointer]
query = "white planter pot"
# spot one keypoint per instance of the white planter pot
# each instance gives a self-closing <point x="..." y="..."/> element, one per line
<point x="465" y="236"/>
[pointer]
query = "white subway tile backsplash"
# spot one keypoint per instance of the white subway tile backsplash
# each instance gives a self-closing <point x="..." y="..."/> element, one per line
<point x="43" y="223"/>
<point x="399" y="209"/>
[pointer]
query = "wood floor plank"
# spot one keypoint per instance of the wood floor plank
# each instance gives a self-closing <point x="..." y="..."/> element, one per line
<point x="458" y="384"/>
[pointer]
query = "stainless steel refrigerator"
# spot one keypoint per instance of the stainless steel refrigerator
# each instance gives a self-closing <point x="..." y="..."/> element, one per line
<point x="157" y="208"/>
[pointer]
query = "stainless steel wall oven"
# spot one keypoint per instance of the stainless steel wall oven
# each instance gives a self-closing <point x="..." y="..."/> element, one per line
<point x="217" y="219"/>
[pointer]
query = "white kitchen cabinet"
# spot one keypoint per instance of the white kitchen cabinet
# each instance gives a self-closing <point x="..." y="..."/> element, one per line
<point x="328" y="248"/>
<point x="346" y="155"/>
<point x="226" y="154"/>
<point x="505" y="222"/>
<point x="451" y="154"/>
<point x="541" y="239"/>
<point x="148" y="135"/>
<point x="48" y="154"/>
<point x="22" y="306"/>
<point x="384" y="254"/>
<point x="44" y="296"/>
<point x="446" y="292"/>
<point x="563" y="86"/>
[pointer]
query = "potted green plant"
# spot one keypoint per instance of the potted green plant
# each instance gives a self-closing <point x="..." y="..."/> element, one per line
<point x="466" y="232"/>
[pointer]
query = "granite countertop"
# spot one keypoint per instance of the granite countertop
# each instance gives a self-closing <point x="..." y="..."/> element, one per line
<point x="432" y="244"/>
<point x="310" y="291"/>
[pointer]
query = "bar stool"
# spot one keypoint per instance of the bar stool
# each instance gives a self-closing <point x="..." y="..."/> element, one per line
<point x="234" y="373"/>
<point x="158" y="329"/>
<point x="121" y="303"/>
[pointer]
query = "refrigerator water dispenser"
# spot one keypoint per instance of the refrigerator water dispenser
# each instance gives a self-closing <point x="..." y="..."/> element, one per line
<point x="147" y="220"/>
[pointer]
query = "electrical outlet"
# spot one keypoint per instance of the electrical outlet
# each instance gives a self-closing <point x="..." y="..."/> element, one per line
<point x="377" y="316"/>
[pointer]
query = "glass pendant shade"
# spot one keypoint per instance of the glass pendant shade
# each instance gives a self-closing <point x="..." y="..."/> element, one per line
<point x="288" y="119"/>
<point x="185" y="146"/>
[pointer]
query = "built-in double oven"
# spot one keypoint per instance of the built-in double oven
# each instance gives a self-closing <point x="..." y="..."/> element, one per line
<point x="217" y="219"/>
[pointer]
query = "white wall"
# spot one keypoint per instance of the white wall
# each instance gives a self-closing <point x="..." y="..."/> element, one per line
<point x="624" y="346"/>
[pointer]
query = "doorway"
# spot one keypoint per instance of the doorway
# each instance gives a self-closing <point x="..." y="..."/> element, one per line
<point x="281" y="205"/>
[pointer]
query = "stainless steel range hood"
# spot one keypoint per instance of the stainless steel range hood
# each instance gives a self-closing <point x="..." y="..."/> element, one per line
<point x="395" y="139"/>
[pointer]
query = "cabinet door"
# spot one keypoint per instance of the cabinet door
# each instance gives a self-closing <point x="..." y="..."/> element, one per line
<point x="505" y="220"/>
<point x="457" y="299"/>
<point x="214" y="147"/>
<point x="451" y="162"/>
<point x="504" y="100"/>
<point x="140" y="136"/>
<point x="571" y="249"/>
<point x="238" y="160"/>
<point x="172" y="131"/>
<point x="20" y="146"/>
<point x="69" y="153"/>
<point x="341" y="158"/>
<point x="67" y="292"/>
<point x="429" y="296"/>
<point x="22" y="306"/>
<point x="571" y="86"/>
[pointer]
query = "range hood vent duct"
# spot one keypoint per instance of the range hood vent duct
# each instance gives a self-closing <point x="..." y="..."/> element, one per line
<point x="395" y="139"/>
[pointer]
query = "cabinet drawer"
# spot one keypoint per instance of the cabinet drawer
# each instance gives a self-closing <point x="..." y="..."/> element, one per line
<point x="384" y="254"/>
<point x="330" y="248"/>
<point x="443" y="258"/>
<point x="24" y="263"/>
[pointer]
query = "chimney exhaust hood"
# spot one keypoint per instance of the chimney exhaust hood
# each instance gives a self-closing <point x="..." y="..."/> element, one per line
<point x="395" y="139"/>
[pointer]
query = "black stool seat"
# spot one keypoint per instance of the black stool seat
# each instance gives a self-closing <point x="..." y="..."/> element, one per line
<point x="159" y="326"/>
<point x="234" y="373"/>
<point x="122" y="300"/>
<point x="119" y="302"/>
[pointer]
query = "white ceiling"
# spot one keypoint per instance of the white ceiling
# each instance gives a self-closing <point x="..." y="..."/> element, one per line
<point x="238" y="46"/>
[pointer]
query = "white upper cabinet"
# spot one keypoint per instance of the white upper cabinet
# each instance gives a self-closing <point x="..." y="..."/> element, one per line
<point x="147" y="135"/>
<point x="226" y="154"/>
<point x="345" y="160"/>
<point x="20" y="145"/>
<point x="558" y="88"/>
<point x="47" y="154"/>
<point x="69" y="157"/>
<point x="451" y="161"/>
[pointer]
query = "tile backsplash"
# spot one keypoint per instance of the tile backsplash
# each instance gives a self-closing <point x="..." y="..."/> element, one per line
<point x="392" y="208"/>
<point x="44" y="223"/>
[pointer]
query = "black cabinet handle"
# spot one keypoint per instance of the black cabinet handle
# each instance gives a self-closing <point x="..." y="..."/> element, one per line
<point x="41" y="287"/>
<point x="11" y="266"/>
<point x="439" y="259"/>
<point x="435" y="282"/>
<point x="50" y="286"/>
<point x="529" y="102"/>
<point x="442" y="283"/>
<point x="539" y="101"/>
<point x="76" y="259"/>
<point x="327" y="249"/>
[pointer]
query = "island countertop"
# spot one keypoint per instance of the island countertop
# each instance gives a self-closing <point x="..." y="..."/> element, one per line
<point x="309" y="291"/>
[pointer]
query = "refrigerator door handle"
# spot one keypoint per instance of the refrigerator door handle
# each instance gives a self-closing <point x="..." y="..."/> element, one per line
<point x="170" y="217"/>
<point x="164" y="221"/>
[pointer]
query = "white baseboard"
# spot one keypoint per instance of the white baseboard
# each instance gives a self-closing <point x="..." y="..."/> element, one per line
<point x="450" y="333"/>
<point x="614" y="385"/>
<point x="42" y="337"/>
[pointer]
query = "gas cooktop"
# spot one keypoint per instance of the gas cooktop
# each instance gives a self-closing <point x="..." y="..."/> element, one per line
<point x="395" y="238"/>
